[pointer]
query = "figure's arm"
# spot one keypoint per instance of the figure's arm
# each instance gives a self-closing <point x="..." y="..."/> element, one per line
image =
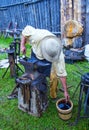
<point x="64" y="84"/>
<point x="23" y="42"/>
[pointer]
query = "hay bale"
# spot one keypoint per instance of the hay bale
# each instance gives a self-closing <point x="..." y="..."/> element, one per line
<point x="73" y="28"/>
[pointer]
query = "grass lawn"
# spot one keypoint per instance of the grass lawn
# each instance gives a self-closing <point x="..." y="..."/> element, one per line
<point x="11" y="118"/>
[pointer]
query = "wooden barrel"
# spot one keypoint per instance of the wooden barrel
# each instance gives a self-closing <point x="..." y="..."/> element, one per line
<point x="64" y="109"/>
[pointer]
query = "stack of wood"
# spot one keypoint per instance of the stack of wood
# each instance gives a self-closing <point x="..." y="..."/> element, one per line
<point x="73" y="39"/>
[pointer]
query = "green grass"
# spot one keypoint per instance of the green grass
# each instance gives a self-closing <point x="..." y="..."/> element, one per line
<point x="11" y="118"/>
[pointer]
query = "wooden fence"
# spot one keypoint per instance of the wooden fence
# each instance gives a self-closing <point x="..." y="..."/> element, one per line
<point x="38" y="13"/>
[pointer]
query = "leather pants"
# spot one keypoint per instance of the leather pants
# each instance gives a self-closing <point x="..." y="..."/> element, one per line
<point x="53" y="85"/>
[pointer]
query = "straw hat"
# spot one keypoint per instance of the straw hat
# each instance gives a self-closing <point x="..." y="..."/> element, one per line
<point x="51" y="48"/>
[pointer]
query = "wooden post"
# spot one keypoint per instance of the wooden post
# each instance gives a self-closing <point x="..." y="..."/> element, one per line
<point x="11" y="63"/>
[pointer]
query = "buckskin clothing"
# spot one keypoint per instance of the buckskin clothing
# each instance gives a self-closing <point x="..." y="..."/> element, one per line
<point x="58" y="67"/>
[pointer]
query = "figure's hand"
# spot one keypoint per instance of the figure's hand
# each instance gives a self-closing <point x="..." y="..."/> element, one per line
<point x="66" y="96"/>
<point x="23" y="49"/>
<point x="23" y="42"/>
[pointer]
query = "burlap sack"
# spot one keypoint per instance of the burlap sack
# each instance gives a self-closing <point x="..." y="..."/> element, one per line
<point x="73" y="28"/>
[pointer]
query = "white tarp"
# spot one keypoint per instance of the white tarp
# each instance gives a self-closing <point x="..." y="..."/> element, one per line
<point x="4" y="63"/>
<point x="86" y="53"/>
